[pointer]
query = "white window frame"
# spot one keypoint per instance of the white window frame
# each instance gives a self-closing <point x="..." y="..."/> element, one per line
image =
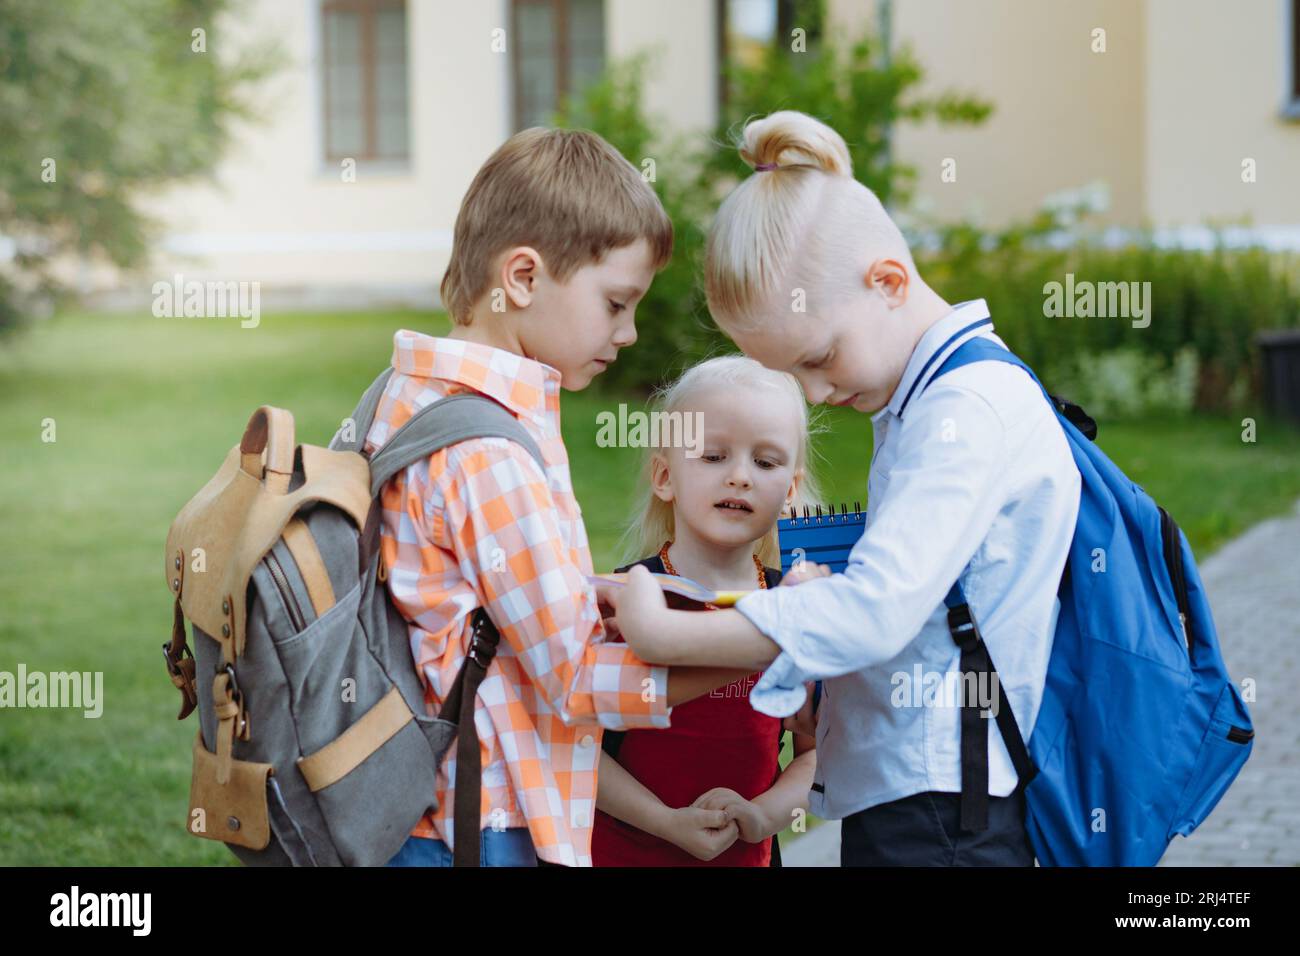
<point x="327" y="168"/>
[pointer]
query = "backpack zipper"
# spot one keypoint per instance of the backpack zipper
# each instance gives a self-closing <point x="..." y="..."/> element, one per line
<point x="1174" y="560"/>
<point x="282" y="585"/>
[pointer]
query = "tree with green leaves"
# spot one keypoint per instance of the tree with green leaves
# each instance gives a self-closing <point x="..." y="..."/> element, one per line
<point x="856" y="88"/>
<point x="98" y="102"/>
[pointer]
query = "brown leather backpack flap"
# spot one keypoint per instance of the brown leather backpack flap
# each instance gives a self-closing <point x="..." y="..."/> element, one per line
<point x="234" y="520"/>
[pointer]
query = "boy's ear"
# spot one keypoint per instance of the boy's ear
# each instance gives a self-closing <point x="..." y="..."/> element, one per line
<point x="661" y="479"/>
<point x="891" y="279"/>
<point x="520" y="270"/>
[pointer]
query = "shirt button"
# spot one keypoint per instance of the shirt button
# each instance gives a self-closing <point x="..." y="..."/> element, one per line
<point x="586" y="741"/>
<point x="579" y="818"/>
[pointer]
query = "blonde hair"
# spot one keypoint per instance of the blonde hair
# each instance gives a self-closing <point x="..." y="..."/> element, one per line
<point x="567" y="193"/>
<point x="654" y="521"/>
<point x="800" y="221"/>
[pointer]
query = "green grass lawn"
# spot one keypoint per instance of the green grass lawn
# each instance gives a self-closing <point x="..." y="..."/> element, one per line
<point x="144" y="411"/>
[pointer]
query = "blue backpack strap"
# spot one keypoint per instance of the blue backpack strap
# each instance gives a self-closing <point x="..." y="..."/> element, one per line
<point x="921" y="381"/>
<point x="975" y="658"/>
<point x="981" y="349"/>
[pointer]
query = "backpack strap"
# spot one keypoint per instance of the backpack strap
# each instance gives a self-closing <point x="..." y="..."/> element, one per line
<point x="984" y="349"/>
<point x="364" y="414"/>
<point x="975" y="658"/>
<point x="440" y="424"/>
<point x="437" y="425"/>
<point x="447" y="421"/>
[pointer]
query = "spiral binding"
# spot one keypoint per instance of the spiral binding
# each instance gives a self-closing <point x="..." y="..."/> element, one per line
<point x="821" y="534"/>
<point x="815" y="515"/>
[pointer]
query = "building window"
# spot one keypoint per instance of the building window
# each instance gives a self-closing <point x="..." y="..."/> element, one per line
<point x="365" y="84"/>
<point x="748" y="29"/>
<point x="559" y="47"/>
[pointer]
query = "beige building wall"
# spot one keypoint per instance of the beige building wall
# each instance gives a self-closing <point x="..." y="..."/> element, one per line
<point x="1186" y="90"/>
<point x="1063" y="116"/>
<point x="276" y="213"/>
<point x="1215" y="92"/>
<point x="682" y="38"/>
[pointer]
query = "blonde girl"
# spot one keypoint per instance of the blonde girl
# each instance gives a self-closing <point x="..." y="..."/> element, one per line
<point x="708" y="790"/>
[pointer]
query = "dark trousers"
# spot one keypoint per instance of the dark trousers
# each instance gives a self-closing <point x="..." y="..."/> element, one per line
<point x="924" y="830"/>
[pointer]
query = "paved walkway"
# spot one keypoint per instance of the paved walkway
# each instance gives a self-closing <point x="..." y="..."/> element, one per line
<point x="1254" y="587"/>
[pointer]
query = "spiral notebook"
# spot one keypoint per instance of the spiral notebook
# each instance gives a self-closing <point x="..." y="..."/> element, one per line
<point x="821" y="535"/>
<point x="818" y="534"/>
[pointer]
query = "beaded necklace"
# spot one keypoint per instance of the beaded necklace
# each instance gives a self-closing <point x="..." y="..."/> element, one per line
<point x="668" y="566"/>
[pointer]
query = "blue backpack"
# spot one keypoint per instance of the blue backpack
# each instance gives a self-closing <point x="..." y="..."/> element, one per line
<point x="1140" y="731"/>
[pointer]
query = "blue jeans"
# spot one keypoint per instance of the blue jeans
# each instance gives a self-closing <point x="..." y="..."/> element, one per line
<point x="512" y="846"/>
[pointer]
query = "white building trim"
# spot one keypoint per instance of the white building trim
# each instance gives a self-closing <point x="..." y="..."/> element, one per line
<point x="271" y="243"/>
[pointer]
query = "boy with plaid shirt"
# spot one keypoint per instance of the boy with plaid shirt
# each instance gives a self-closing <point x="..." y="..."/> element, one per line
<point x="555" y="243"/>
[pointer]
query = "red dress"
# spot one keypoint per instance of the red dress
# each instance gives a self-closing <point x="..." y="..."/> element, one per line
<point x="716" y="740"/>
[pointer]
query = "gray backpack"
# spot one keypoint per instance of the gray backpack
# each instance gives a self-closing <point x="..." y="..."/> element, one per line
<point x="313" y="746"/>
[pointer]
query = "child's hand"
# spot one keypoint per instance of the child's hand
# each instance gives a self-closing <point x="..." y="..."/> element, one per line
<point x="701" y="833"/>
<point x="804" y="571"/>
<point x="607" y="612"/>
<point x="804" y="720"/>
<point x="641" y="612"/>
<point x="748" y="816"/>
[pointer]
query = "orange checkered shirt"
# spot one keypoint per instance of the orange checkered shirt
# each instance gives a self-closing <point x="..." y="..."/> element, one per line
<point x="479" y="523"/>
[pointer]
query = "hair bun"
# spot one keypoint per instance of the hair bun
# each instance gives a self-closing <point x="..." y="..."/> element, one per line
<point x="791" y="138"/>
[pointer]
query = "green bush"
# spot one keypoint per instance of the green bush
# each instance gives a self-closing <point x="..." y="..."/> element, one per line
<point x="672" y="320"/>
<point x="1125" y="383"/>
<point x="1205" y="309"/>
<point x="854" y="89"/>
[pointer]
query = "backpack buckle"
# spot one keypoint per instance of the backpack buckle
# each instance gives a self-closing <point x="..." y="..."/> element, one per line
<point x="173" y="663"/>
<point x="235" y="695"/>
<point x="961" y="625"/>
<point x="480" y="651"/>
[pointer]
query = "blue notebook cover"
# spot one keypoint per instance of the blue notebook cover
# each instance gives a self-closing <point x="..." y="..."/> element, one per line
<point x="821" y="535"/>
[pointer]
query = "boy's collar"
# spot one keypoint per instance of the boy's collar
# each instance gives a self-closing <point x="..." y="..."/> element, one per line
<point x="964" y="322"/>
<point x="529" y="388"/>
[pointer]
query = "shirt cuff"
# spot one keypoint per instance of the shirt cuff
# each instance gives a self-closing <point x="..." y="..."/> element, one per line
<point x="626" y="692"/>
<point x="780" y="692"/>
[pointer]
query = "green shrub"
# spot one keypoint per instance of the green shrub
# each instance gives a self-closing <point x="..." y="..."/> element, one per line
<point x="1126" y="383"/>
<point x="672" y="321"/>
<point x="1206" y="307"/>
<point x="1209" y="304"/>
<point x="854" y="89"/>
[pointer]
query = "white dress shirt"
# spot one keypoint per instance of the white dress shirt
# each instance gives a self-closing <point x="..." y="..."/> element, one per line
<point x="972" y="472"/>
